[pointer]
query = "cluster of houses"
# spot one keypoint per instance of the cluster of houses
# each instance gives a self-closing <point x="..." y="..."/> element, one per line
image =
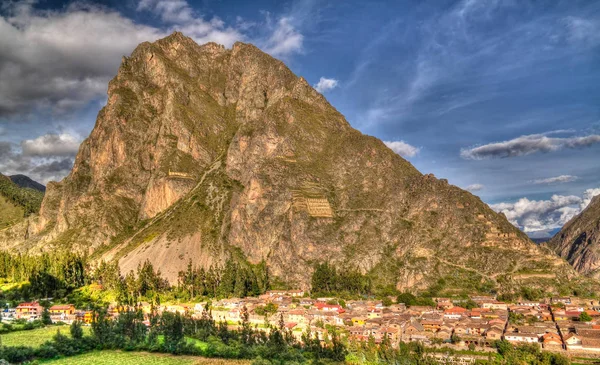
<point x="32" y="311"/>
<point x="554" y="324"/>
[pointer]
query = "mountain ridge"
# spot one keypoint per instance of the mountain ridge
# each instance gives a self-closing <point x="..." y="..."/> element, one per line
<point x="210" y="154"/>
<point x="579" y="240"/>
<point x="27" y="182"/>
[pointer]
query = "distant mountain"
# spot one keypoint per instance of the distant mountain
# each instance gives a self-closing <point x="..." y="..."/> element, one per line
<point x="17" y="202"/>
<point x="579" y="240"/>
<point x="540" y="240"/>
<point x="210" y="154"/>
<point x="26" y="182"/>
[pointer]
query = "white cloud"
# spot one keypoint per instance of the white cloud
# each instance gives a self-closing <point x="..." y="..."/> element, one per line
<point x="545" y="215"/>
<point x="475" y="187"/>
<point x="326" y="84"/>
<point x="285" y="39"/>
<point x="402" y="148"/>
<point x="41" y="168"/>
<point x="587" y="197"/>
<point x="62" y="59"/>
<point x="581" y="31"/>
<point x="555" y="180"/>
<point x="51" y="145"/>
<point x="179" y="15"/>
<point x="527" y="145"/>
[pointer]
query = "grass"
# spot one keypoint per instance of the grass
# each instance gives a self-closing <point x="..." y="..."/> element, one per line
<point x="139" y="358"/>
<point x="35" y="337"/>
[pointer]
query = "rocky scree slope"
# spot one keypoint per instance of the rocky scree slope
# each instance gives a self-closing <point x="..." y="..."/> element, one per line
<point x="208" y="154"/>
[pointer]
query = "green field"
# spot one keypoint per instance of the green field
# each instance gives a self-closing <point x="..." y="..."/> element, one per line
<point x="139" y="358"/>
<point x="36" y="337"/>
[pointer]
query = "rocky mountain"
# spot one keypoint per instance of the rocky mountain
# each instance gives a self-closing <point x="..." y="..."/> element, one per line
<point x="210" y="154"/>
<point x="16" y="202"/>
<point x="27" y="182"/>
<point x="579" y="240"/>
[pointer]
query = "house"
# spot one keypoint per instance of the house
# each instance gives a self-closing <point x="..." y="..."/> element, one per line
<point x="455" y="312"/>
<point x="494" y="333"/>
<point x="551" y="340"/>
<point x="521" y="337"/>
<point x="529" y="304"/>
<point x="432" y="325"/>
<point x="359" y="321"/>
<point x="65" y="309"/>
<point x="572" y="341"/>
<point x="295" y="293"/>
<point x="590" y="344"/>
<point x="413" y="327"/>
<point x="29" y="310"/>
<point x="563" y="300"/>
<point x="495" y="305"/>
<point x="297" y="316"/>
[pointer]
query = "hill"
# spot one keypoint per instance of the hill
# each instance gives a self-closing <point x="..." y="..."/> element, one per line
<point x="16" y="202"/>
<point x="26" y="182"/>
<point x="579" y="240"/>
<point x="211" y="154"/>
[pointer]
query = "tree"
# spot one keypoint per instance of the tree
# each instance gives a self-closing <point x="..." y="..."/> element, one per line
<point x="584" y="317"/>
<point x="454" y="338"/>
<point x="46" y="317"/>
<point x="406" y="298"/>
<point x="172" y="328"/>
<point x="76" y="330"/>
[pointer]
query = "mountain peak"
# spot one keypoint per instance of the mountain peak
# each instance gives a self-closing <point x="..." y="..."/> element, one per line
<point x="210" y="154"/>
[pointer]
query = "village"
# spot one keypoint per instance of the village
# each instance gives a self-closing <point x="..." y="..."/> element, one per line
<point x="559" y="324"/>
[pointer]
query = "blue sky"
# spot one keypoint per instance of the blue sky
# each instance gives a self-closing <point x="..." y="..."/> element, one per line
<point x="500" y="97"/>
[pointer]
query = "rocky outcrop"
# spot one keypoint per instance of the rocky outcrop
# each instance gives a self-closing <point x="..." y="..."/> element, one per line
<point x="579" y="240"/>
<point x="207" y="153"/>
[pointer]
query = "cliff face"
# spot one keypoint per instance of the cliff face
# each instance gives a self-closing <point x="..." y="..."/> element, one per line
<point x="579" y="240"/>
<point x="207" y="153"/>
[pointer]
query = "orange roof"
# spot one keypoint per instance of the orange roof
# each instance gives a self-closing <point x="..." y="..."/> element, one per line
<point x="29" y="304"/>
<point x="455" y="310"/>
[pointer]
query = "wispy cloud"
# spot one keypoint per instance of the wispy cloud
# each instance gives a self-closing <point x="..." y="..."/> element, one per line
<point x="555" y="180"/>
<point x="285" y="39"/>
<point x="475" y="187"/>
<point x="545" y="215"/>
<point x="527" y="145"/>
<point x="325" y="84"/>
<point x="402" y="148"/>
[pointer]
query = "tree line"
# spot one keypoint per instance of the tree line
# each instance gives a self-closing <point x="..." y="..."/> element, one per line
<point x="180" y="334"/>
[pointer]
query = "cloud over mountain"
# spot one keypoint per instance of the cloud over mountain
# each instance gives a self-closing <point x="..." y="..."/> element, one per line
<point x="325" y="84"/>
<point x="402" y="148"/>
<point x="545" y="215"/>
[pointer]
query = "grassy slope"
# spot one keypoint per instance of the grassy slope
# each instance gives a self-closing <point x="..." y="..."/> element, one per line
<point x="139" y="358"/>
<point x="36" y="337"/>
